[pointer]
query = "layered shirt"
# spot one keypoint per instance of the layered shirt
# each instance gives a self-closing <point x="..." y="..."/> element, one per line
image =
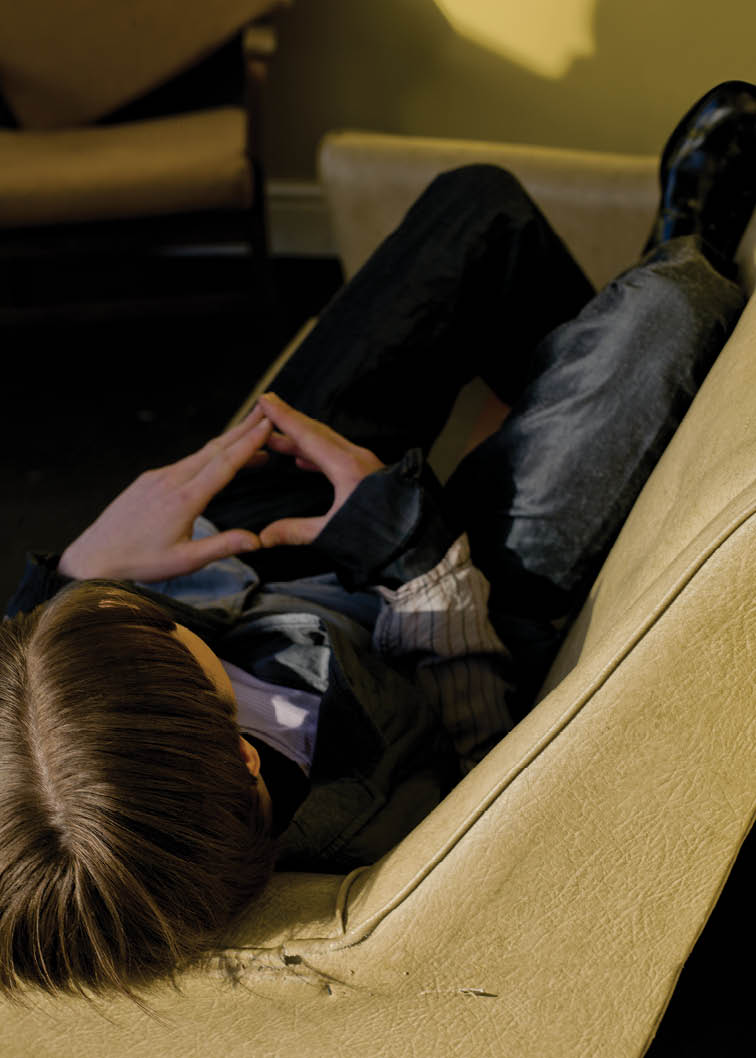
<point x="370" y="690"/>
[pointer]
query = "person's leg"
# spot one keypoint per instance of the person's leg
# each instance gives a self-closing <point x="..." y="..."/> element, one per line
<point x="545" y="496"/>
<point x="469" y="283"/>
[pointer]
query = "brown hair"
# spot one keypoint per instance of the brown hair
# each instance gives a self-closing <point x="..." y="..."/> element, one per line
<point x="130" y="830"/>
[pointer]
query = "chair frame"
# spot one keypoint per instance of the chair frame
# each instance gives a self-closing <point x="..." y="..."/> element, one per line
<point x="208" y="261"/>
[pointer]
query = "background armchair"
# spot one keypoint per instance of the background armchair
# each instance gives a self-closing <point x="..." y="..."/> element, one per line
<point x="130" y="180"/>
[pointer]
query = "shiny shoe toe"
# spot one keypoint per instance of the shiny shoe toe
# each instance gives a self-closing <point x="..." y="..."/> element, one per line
<point x="708" y="171"/>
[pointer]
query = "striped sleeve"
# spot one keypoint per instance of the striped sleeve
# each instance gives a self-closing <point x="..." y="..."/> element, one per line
<point x="440" y="620"/>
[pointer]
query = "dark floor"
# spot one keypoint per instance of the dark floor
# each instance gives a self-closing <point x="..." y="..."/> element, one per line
<point x="86" y="408"/>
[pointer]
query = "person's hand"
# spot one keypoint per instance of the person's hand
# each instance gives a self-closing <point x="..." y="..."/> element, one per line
<point x="146" y="532"/>
<point x="314" y="447"/>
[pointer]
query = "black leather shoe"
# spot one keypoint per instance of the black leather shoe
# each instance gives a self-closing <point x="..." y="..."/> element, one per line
<point x="708" y="172"/>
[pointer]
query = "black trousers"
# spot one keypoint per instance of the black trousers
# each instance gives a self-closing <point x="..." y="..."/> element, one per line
<point x="475" y="282"/>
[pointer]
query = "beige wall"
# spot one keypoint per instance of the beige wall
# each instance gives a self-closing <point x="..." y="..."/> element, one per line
<point x="628" y="69"/>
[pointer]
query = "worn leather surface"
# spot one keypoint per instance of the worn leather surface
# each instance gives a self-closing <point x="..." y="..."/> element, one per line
<point x="63" y="64"/>
<point x="545" y="909"/>
<point x="176" y="164"/>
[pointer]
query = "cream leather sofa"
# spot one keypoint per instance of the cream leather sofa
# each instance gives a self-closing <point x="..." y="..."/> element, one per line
<point x="546" y="908"/>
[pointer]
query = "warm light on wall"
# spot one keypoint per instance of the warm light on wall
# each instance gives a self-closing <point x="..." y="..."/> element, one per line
<point x="544" y="35"/>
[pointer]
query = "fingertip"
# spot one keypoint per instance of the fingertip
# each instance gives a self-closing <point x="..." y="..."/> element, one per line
<point x="246" y="541"/>
<point x="274" y="535"/>
<point x="273" y="401"/>
<point x="266" y="539"/>
<point x="253" y="415"/>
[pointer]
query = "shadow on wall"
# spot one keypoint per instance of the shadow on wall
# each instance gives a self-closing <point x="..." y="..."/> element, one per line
<point x="400" y="66"/>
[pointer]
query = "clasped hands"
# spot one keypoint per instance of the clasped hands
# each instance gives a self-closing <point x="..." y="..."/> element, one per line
<point x="145" y="534"/>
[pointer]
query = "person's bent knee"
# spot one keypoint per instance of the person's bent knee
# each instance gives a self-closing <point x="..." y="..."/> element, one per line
<point x="481" y="183"/>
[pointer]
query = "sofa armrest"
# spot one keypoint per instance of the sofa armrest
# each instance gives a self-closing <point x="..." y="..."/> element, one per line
<point x="370" y="180"/>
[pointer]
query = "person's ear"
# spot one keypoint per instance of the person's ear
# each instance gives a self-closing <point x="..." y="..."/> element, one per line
<point x="250" y="756"/>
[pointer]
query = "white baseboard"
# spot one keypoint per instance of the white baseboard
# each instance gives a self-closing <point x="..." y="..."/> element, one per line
<point x="298" y="219"/>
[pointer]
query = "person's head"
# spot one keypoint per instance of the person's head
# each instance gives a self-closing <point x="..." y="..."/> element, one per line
<point x="131" y="828"/>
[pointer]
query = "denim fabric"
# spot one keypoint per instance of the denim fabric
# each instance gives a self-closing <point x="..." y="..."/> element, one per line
<point x="39" y="582"/>
<point x="384" y="364"/>
<point x="547" y="494"/>
<point x="226" y="583"/>
<point x="327" y="593"/>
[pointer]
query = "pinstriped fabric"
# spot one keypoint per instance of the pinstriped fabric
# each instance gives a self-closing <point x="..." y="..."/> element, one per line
<point x="440" y="620"/>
